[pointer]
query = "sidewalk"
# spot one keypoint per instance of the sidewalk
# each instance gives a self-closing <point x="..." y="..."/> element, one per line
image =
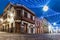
<point x="13" y="36"/>
<point x="2" y="32"/>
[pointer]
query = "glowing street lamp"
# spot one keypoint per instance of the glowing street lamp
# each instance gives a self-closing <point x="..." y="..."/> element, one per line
<point x="54" y="23"/>
<point x="45" y="8"/>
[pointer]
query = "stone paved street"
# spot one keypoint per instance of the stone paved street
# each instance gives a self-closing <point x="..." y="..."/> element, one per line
<point x="9" y="36"/>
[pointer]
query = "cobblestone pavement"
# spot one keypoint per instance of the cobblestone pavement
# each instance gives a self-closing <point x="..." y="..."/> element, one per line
<point x="10" y="36"/>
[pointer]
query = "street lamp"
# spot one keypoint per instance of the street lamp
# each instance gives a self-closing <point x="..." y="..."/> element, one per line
<point x="45" y="8"/>
<point x="54" y="23"/>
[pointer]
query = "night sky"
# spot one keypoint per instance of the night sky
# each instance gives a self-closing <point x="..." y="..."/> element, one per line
<point x="52" y="15"/>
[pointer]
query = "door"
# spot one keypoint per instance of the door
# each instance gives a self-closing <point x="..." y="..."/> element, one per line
<point x="25" y="27"/>
<point x="12" y="27"/>
<point x="31" y="30"/>
<point x="17" y="26"/>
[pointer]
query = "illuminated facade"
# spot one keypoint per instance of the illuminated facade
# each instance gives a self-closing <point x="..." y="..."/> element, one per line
<point x="45" y="25"/>
<point x="41" y="25"/>
<point x="17" y="19"/>
<point x="38" y="25"/>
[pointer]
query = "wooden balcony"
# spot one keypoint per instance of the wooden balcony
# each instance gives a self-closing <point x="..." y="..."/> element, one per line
<point x="17" y="18"/>
<point x="28" y="20"/>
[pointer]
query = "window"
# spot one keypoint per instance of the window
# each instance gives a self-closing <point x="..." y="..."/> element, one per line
<point x="5" y="16"/>
<point x="9" y="8"/>
<point x="25" y="27"/>
<point x="31" y="17"/>
<point x="25" y="14"/>
<point x="13" y="12"/>
<point x="18" y="13"/>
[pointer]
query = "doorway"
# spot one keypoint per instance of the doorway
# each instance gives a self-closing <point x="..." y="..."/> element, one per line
<point x="17" y="26"/>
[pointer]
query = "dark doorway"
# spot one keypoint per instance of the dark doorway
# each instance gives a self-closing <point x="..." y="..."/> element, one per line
<point x="12" y="27"/>
<point x="17" y="26"/>
<point x="31" y="30"/>
<point x="25" y="27"/>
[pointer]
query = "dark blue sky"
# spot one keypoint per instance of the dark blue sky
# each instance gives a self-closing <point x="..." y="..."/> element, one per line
<point x="3" y="4"/>
<point x="28" y="3"/>
<point x="52" y="15"/>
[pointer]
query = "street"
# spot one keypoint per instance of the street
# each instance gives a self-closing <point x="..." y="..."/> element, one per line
<point x="12" y="36"/>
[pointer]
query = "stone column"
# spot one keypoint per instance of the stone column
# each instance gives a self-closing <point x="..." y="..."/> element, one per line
<point x="33" y="29"/>
<point x="29" y="29"/>
<point x="3" y="27"/>
<point x="22" y="12"/>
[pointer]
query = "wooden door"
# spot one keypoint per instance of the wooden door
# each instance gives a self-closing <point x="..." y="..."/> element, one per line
<point x="25" y="27"/>
<point x="17" y="25"/>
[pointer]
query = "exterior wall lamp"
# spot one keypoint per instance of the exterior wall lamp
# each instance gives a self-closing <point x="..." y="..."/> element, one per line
<point x="11" y="15"/>
<point x="1" y="19"/>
